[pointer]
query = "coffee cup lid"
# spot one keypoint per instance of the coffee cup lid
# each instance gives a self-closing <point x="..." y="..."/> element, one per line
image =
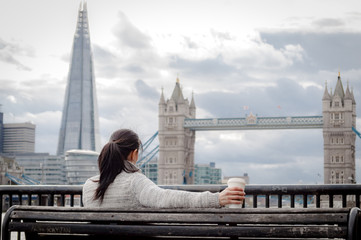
<point x="240" y="180"/>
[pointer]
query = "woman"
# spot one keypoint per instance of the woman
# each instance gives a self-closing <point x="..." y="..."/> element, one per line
<point x="121" y="183"/>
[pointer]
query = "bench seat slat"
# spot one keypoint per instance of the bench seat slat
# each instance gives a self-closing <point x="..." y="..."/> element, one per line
<point x="179" y="230"/>
<point x="329" y="218"/>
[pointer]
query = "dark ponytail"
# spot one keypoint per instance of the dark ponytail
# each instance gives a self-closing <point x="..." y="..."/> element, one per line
<point x="113" y="157"/>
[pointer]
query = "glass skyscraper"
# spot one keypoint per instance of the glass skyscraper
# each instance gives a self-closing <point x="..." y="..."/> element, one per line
<point x="80" y="122"/>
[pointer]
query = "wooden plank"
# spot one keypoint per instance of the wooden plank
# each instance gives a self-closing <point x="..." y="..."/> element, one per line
<point x="181" y="230"/>
<point x="326" y="218"/>
<point x="186" y="210"/>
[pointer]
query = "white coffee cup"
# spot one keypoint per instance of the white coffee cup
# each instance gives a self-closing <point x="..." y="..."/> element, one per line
<point x="236" y="182"/>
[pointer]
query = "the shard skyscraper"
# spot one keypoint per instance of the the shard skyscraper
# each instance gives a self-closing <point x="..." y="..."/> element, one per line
<point x="80" y="122"/>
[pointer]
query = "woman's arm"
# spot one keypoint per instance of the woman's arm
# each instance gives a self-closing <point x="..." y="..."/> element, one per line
<point x="150" y="195"/>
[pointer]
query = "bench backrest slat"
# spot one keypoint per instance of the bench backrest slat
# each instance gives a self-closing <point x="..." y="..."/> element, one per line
<point x="242" y="218"/>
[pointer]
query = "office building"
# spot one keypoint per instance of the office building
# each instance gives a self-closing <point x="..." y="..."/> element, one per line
<point x="80" y="124"/>
<point x="18" y="137"/>
<point x="207" y="174"/>
<point x="150" y="169"/>
<point x="80" y="165"/>
<point x="43" y="168"/>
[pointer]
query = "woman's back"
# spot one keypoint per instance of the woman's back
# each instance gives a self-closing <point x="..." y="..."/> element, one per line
<point x="119" y="193"/>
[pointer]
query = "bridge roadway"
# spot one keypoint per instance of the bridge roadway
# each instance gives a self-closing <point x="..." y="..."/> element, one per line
<point x="253" y="122"/>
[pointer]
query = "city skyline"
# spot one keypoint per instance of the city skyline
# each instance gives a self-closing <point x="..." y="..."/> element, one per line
<point x="236" y="57"/>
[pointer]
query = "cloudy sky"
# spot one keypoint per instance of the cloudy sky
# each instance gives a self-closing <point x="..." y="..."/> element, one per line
<point x="272" y="56"/>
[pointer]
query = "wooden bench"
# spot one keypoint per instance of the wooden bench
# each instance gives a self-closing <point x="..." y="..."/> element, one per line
<point x="75" y="223"/>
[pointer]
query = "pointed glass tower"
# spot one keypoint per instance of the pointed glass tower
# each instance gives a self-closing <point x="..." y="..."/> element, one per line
<point x="80" y="124"/>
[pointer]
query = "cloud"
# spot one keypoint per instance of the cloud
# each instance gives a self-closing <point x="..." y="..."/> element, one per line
<point x="295" y="52"/>
<point x="354" y="17"/>
<point x="233" y="59"/>
<point x="190" y="44"/>
<point x="32" y="95"/>
<point x="11" y="98"/>
<point x="131" y="53"/>
<point x="328" y="23"/>
<point x="145" y="91"/>
<point x="8" y="51"/>
<point x="288" y="94"/>
<point x="134" y="68"/>
<point x="102" y="54"/>
<point x="221" y="36"/>
<point x="324" y="51"/>
<point x="129" y="35"/>
<point x="212" y="66"/>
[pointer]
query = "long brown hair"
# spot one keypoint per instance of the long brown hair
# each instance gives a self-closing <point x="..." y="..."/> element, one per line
<point x="113" y="157"/>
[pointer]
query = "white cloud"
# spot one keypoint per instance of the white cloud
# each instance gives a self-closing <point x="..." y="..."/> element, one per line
<point x="293" y="52"/>
<point x="11" y="98"/>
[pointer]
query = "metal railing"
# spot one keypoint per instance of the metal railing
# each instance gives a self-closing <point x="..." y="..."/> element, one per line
<point x="316" y="195"/>
<point x="258" y="196"/>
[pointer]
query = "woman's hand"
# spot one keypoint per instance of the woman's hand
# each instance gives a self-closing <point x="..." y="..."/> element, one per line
<point x="233" y="195"/>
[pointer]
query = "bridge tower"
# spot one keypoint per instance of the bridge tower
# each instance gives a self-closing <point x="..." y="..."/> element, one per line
<point x="176" y="143"/>
<point x="339" y="116"/>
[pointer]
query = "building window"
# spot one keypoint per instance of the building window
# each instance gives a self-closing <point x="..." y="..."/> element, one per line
<point x="166" y="177"/>
<point x="336" y="116"/>
<point x="171" y="160"/>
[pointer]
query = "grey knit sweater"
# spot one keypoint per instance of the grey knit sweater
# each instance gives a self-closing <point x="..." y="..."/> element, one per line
<point x="134" y="190"/>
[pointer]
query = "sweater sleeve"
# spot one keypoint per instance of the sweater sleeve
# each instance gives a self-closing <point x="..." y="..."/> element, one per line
<point x="150" y="195"/>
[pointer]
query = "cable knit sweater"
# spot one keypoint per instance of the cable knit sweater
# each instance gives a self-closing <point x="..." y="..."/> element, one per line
<point x="135" y="190"/>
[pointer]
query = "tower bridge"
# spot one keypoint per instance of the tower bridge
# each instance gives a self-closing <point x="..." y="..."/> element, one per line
<point x="178" y="124"/>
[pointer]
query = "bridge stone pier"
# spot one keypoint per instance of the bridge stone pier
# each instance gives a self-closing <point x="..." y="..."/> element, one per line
<point x="178" y="125"/>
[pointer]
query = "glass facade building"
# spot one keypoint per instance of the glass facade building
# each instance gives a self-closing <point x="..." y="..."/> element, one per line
<point x="42" y="168"/>
<point x="150" y="169"/>
<point x="80" y="122"/>
<point x="80" y="165"/>
<point x="207" y="174"/>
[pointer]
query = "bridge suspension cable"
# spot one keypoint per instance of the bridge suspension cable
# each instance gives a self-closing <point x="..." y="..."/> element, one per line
<point x="151" y="154"/>
<point x="149" y="141"/>
<point x="357" y="132"/>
